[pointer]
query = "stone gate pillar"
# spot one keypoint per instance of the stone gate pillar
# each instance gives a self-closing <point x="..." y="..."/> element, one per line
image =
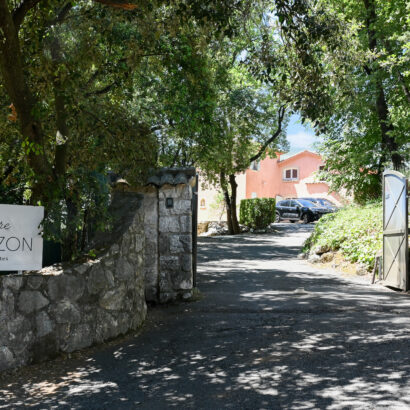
<point x="168" y="224"/>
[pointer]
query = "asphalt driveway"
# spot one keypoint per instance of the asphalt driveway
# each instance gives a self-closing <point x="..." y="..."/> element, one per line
<point x="269" y="332"/>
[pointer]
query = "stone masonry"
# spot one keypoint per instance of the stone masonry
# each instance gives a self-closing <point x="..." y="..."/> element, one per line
<point x="66" y="308"/>
<point x="146" y="256"/>
<point x="151" y="243"/>
<point x="168" y="230"/>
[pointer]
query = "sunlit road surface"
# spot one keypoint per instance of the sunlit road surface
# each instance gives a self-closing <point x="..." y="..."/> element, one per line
<point x="270" y="332"/>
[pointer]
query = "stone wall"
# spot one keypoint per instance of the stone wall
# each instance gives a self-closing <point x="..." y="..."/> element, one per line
<point x="66" y="308"/>
<point x="151" y="223"/>
<point x="146" y="256"/>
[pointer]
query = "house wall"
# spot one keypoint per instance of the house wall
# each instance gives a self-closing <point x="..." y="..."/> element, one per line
<point x="268" y="181"/>
<point x="263" y="182"/>
<point x="214" y="209"/>
<point x="210" y="205"/>
<point x="317" y="189"/>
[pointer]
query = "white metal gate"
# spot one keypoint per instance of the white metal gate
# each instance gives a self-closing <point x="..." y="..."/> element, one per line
<point x="395" y="231"/>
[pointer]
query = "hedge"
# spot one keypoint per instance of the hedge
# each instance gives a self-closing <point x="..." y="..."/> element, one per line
<point x="257" y="212"/>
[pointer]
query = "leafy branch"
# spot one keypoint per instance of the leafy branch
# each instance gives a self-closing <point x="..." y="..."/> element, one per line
<point x="281" y="116"/>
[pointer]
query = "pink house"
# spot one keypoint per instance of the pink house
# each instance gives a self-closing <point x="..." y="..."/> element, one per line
<point x="281" y="177"/>
<point x="291" y="177"/>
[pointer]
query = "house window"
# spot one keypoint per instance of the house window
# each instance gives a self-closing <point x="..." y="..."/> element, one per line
<point x="202" y="203"/>
<point x="254" y="195"/>
<point x="255" y="165"/>
<point x="291" y="174"/>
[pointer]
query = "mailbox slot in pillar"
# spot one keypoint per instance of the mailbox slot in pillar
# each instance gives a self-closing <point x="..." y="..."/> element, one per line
<point x="169" y="203"/>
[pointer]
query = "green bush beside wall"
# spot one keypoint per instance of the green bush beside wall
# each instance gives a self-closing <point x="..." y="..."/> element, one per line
<point x="257" y="212"/>
<point x="355" y="231"/>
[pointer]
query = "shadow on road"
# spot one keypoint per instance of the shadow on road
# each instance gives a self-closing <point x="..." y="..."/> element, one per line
<point x="270" y="332"/>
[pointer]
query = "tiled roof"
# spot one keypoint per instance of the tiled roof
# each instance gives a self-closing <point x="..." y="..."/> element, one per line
<point x="287" y="158"/>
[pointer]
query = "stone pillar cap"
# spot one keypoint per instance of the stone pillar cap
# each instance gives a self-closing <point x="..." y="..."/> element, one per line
<point x="171" y="176"/>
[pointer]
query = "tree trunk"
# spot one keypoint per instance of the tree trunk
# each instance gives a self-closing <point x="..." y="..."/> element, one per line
<point x="234" y="218"/>
<point x="386" y="127"/>
<point x="84" y="232"/>
<point x="227" y="200"/>
<point x="228" y="212"/>
<point x="12" y="71"/>
<point x="388" y="142"/>
<point x="67" y="191"/>
<point x="230" y="202"/>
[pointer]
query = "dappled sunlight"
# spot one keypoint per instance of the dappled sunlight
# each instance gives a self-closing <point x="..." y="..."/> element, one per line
<point x="314" y="341"/>
<point x="270" y="366"/>
<point x="261" y="381"/>
<point x="358" y="392"/>
<point x="269" y="332"/>
<point x="91" y="387"/>
<point x="83" y="381"/>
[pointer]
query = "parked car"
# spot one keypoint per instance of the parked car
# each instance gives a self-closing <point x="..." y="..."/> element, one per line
<point x="323" y="202"/>
<point x="299" y="209"/>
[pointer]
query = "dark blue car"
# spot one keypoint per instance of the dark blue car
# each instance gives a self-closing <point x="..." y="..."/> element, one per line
<point x="323" y="202"/>
<point x="299" y="210"/>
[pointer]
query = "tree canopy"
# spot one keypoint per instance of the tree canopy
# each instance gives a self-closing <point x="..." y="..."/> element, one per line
<point x="71" y="74"/>
<point x="92" y="87"/>
<point x="348" y="64"/>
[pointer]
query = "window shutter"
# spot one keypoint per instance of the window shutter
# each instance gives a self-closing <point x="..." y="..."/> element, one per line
<point x="287" y="174"/>
<point x="294" y="174"/>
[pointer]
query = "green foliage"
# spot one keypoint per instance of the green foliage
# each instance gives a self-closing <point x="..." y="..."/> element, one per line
<point x="97" y="89"/>
<point x="245" y="117"/>
<point x="351" y="163"/>
<point x="355" y="231"/>
<point x="92" y="253"/>
<point x="90" y="200"/>
<point x="257" y="212"/>
<point x="344" y="65"/>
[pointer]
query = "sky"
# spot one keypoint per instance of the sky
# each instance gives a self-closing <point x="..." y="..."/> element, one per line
<point x="300" y="136"/>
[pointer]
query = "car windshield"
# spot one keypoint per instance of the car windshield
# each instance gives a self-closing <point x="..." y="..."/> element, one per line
<point x="304" y="202"/>
<point x="314" y="200"/>
<point x="326" y="202"/>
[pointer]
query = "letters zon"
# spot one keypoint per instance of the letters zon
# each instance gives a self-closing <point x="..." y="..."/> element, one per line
<point x="13" y="244"/>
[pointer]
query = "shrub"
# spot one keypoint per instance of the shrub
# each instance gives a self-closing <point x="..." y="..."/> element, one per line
<point x="355" y="231"/>
<point x="257" y="212"/>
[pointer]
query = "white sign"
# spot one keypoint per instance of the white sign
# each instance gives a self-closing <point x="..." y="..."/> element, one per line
<point x="21" y="244"/>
